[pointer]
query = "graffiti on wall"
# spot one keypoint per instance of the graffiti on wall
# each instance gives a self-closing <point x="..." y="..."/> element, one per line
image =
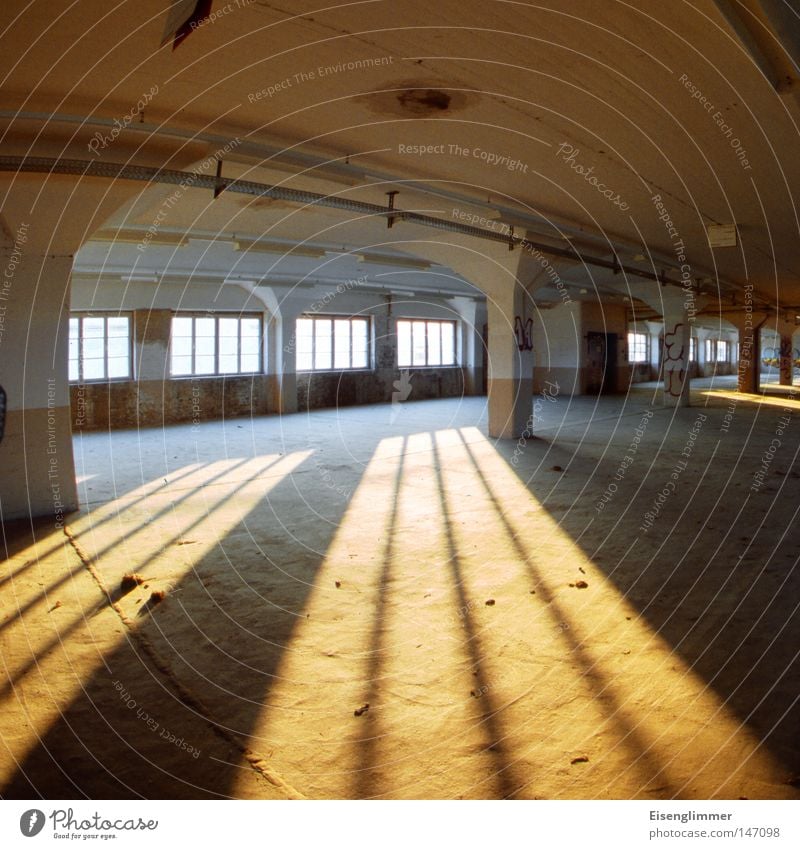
<point x="524" y="333"/>
<point x="674" y="361"/>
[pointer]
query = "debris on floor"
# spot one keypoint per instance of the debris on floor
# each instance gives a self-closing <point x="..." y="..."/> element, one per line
<point x="130" y="582"/>
<point x="361" y="711"/>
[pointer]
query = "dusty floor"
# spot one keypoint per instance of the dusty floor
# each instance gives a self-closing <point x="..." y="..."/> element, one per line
<point x="397" y="558"/>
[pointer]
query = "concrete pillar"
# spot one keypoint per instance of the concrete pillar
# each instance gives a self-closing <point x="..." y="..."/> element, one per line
<point x="38" y="472"/>
<point x="676" y="353"/>
<point x="748" y="324"/>
<point x="510" y="369"/>
<point x="469" y="347"/>
<point x="785" y="363"/>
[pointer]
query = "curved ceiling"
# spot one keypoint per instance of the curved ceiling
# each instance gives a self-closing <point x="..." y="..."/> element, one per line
<point x="613" y="126"/>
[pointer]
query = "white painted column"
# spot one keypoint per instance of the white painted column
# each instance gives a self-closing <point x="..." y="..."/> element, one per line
<point x="38" y="472"/>
<point x="677" y="331"/>
<point x="510" y="370"/>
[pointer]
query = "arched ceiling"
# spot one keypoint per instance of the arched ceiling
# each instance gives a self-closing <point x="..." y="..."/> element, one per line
<point x="581" y="122"/>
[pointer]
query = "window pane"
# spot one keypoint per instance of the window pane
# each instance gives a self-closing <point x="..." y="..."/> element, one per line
<point x="360" y="352"/>
<point x="94" y="327"/>
<point x="181" y="365"/>
<point x="118" y="367"/>
<point x="205" y="327"/>
<point x="448" y="343"/>
<point x="418" y="333"/>
<point x="404" y="343"/>
<point x="251" y="362"/>
<point x="228" y="363"/>
<point x="341" y="335"/>
<point x="93" y="348"/>
<point x="73" y="369"/>
<point x="229" y="328"/>
<point x="322" y="343"/>
<point x="205" y="346"/>
<point x="118" y="346"/>
<point x="251" y="345"/>
<point x="181" y="346"/>
<point x="93" y="370"/>
<point x="251" y="328"/>
<point x="118" y="326"/>
<point x="304" y="361"/>
<point x="182" y="327"/>
<point x="434" y="344"/>
<point x="204" y="364"/>
<point x="228" y="347"/>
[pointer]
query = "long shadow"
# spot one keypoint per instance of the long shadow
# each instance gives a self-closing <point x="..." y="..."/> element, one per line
<point x="717" y="575"/>
<point x="375" y="668"/>
<point x="168" y="714"/>
<point x="507" y="783"/>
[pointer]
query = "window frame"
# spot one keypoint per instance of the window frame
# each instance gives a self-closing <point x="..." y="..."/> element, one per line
<point x="631" y="340"/>
<point x="80" y="316"/>
<point x="194" y="315"/>
<point x="428" y="321"/>
<point x="333" y="318"/>
<point x="721" y="344"/>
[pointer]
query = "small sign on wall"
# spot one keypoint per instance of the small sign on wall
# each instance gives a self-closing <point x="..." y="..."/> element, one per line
<point x="722" y="235"/>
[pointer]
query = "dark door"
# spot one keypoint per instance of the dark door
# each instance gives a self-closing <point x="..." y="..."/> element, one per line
<point x="601" y="363"/>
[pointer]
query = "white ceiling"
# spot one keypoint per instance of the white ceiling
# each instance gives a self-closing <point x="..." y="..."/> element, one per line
<point x="613" y="82"/>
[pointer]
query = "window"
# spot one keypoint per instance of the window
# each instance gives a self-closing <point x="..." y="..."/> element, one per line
<point x="693" y="349"/>
<point x="203" y="344"/>
<point x="332" y="342"/>
<point x="637" y="347"/>
<point x="722" y="351"/>
<point x="426" y="343"/>
<point x="99" y="347"/>
<point x="711" y="353"/>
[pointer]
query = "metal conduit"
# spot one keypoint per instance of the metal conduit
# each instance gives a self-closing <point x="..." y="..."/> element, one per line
<point x="188" y="179"/>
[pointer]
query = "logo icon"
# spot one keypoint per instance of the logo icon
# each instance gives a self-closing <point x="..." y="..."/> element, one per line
<point x="31" y="822"/>
<point x="402" y="390"/>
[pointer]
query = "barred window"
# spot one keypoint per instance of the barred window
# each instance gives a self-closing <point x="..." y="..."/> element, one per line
<point x="637" y="347"/>
<point x="426" y="342"/>
<point x="99" y="347"/>
<point x="329" y="342"/>
<point x="212" y="345"/>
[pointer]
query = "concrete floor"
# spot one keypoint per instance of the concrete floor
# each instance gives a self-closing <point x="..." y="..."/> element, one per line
<point x="396" y="557"/>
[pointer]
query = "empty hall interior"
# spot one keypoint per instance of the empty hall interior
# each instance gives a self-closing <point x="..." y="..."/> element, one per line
<point x="399" y="400"/>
